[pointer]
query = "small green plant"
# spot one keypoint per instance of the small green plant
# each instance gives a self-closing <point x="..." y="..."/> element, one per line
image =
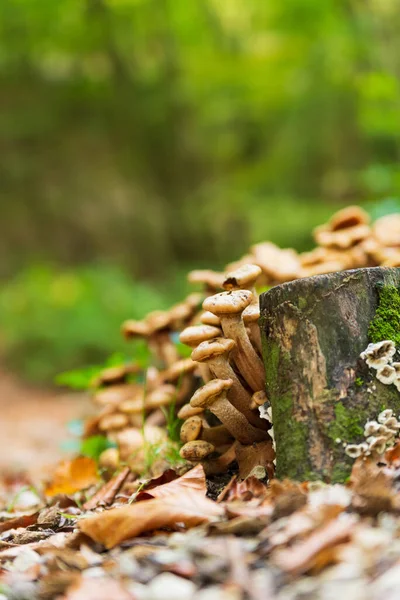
<point x="358" y="382"/>
<point x="94" y="445"/>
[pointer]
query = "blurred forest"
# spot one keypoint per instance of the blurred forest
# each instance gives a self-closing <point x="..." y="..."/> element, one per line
<point x="142" y="137"/>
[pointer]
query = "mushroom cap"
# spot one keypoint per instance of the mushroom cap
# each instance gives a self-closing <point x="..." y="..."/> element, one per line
<point x="228" y="303"/>
<point x="188" y="411"/>
<point x="351" y="216"/>
<point x="277" y="264"/>
<point x="115" y="394"/>
<point x="212" y="348"/>
<point x="113" y="421"/>
<point x="131" y="329"/>
<point x="208" y="318"/>
<point x="162" y="396"/>
<point x="196" y="450"/>
<point x="251" y="314"/>
<point x="205" y="395"/>
<point x="175" y="371"/>
<point x="259" y="398"/>
<point x="210" y="278"/>
<point x="387" y="230"/>
<point x="194" y="300"/>
<point x="157" y="320"/>
<point x="195" y="334"/>
<point x="244" y="277"/>
<point x="191" y="429"/>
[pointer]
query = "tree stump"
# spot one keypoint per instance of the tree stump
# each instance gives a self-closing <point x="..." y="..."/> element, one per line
<point x="321" y="392"/>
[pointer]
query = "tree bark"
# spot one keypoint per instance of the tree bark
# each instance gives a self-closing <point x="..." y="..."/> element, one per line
<point x="321" y="392"/>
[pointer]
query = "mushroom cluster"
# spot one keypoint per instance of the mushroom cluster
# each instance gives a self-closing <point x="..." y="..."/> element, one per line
<point x="379" y="436"/>
<point x="219" y="391"/>
<point x="380" y="356"/>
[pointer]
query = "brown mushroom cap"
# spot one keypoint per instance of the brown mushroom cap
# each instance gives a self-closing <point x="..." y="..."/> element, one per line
<point x="196" y="450"/>
<point x="175" y="371"/>
<point x="259" y="398"/>
<point x="228" y="303"/>
<point x="209" y="278"/>
<point x="208" y="318"/>
<point x="206" y="394"/>
<point x="132" y="329"/>
<point x="251" y="314"/>
<point x="216" y="347"/>
<point x="158" y="320"/>
<point x="194" y="335"/>
<point x="244" y="277"/>
<point x="387" y="230"/>
<point x="191" y="429"/>
<point x="162" y="396"/>
<point x="188" y="411"/>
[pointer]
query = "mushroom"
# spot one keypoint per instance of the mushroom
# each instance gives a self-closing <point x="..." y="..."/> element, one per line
<point x="211" y="280"/>
<point x="277" y="264"/>
<point x="187" y="411"/>
<point x="215" y="354"/>
<point x="261" y="454"/>
<point x="196" y="450"/>
<point x="213" y="466"/>
<point x="371" y="428"/>
<point x="115" y="375"/>
<point x="251" y="315"/>
<point x="162" y="396"/>
<point x="385" y="415"/>
<point x="356" y="450"/>
<point x="155" y="329"/>
<point x="258" y="399"/>
<point x="213" y="395"/>
<point x="386" y="230"/>
<point x="191" y="429"/>
<point x="243" y="278"/>
<point x="379" y="354"/>
<point x="386" y="374"/>
<point x="114" y="394"/>
<point x="208" y="318"/>
<point x="218" y="435"/>
<point x="229" y="307"/>
<point x="346" y="228"/>
<point x="196" y="334"/>
<point x="109" y="460"/>
<point x="113" y="421"/>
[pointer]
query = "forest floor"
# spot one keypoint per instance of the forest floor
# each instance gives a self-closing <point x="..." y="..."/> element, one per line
<point x="165" y="540"/>
<point x="33" y="425"/>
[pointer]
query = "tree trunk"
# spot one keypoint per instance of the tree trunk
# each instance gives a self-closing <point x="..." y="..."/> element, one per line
<point x="321" y="392"/>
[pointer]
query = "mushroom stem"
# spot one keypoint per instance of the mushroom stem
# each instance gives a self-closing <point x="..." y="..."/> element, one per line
<point x="215" y="354"/>
<point x="229" y="307"/>
<point x="246" y="358"/>
<point x="213" y="466"/>
<point x="213" y="395"/>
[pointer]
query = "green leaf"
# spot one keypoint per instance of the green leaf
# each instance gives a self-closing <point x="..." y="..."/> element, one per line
<point x="96" y="444"/>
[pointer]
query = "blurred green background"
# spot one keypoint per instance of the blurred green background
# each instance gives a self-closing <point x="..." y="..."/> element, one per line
<point x="140" y="138"/>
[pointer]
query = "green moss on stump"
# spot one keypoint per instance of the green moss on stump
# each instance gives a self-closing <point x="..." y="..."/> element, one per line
<point x="386" y="323"/>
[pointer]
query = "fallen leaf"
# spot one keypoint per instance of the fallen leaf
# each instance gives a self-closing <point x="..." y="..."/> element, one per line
<point x="372" y="489"/>
<point x="194" y="479"/>
<point x="106" y="494"/>
<point x="243" y="490"/>
<point x="304" y="555"/>
<point x="188" y="507"/>
<point x="72" y="476"/>
<point x="21" y="521"/>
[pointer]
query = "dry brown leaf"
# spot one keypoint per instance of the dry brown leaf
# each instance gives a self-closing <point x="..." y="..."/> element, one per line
<point x="243" y="490"/>
<point x="72" y="476"/>
<point x="194" y="479"/>
<point x="188" y="507"/>
<point x="21" y="521"/>
<point x="106" y="494"/>
<point x="304" y="555"/>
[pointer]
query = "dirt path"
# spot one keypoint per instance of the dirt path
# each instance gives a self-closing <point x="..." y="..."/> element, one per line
<point x="33" y="425"/>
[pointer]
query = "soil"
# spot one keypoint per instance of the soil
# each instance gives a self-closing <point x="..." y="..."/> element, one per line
<point x="33" y="425"/>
